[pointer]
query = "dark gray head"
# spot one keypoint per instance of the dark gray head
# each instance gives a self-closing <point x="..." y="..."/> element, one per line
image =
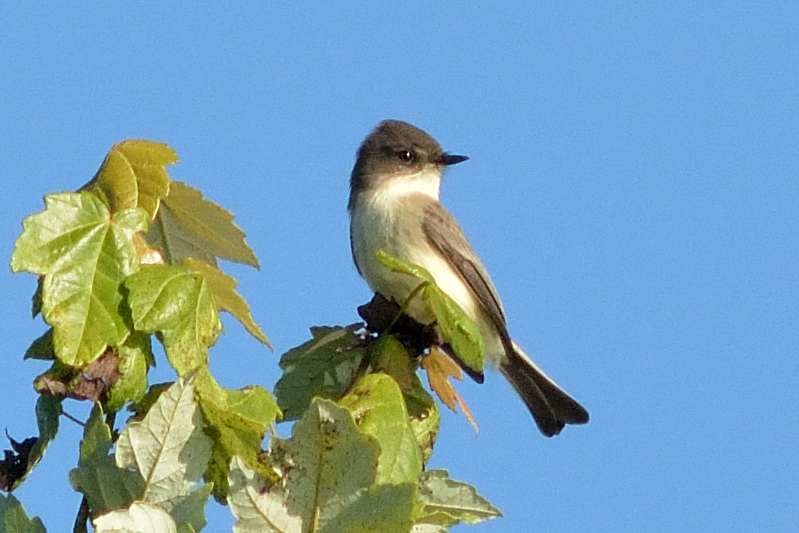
<point x="397" y="150"/>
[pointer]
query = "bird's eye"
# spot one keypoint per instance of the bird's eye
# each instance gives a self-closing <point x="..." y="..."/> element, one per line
<point x="406" y="156"/>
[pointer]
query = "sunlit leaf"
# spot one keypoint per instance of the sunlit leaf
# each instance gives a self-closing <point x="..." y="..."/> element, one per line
<point x="390" y="356"/>
<point x="457" y="329"/>
<point x="189" y="225"/>
<point x="447" y="502"/>
<point x="440" y="368"/>
<point x="175" y="301"/>
<point x="324" y="366"/>
<point x="84" y="254"/>
<point x="13" y="517"/>
<point x="168" y="449"/>
<point x="328" y="468"/>
<point x="236" y="420"/>
<point x="224" y="289"/>
<point x="105" y="485"/>
<point x="378" y="407"/>
<point x="138" y="518"/>
<point x="134" y="174"/>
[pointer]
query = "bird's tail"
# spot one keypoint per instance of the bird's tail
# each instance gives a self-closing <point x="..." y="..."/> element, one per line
<point x="551" y="406"/>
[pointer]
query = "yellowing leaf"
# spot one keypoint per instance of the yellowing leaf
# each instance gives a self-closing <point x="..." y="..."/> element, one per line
<point x="189" y="225"/>
<point x="177" y="302"/>
<point x="84" y="254"/>
<point x="224" y="289"/>
<point x="134" y="175"/>
<point x="440" y="368"/>
<point x="457" y="329"/>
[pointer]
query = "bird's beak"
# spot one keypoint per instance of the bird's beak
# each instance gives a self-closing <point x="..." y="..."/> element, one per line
<point x="451" y="159"/>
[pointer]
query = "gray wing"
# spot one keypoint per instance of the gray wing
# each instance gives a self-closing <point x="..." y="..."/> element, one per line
<point x="444" y="233"/>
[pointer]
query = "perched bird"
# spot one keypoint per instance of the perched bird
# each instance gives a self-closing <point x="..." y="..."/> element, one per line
<point x="394" y="206"/>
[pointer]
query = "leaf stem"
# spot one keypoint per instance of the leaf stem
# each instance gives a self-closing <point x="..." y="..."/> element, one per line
<point x="82" y="518"/>
<point x="406" y="303"/>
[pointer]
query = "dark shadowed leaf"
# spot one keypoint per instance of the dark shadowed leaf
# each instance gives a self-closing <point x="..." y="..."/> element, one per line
<point x="324" y="366"/>
<point x="189" y="225"/>
<point x="42" y="347"/>
<point x="14" y="519"/>
<point x="18" y="462"/>
<point x="105" y="485"/>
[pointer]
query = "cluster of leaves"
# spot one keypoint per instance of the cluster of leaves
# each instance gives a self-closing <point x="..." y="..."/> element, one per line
<point x="134" y="255"/>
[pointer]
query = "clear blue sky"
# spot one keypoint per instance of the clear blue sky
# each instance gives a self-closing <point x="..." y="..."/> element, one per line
<point x="632" y="188"/>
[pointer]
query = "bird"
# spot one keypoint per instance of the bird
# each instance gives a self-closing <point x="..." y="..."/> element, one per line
<point x="394" y="206"/>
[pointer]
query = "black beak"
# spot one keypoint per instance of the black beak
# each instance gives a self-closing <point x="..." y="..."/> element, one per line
<point x="451" y="159"/>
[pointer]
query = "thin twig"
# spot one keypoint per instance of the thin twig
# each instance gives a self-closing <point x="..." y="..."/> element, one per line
<point x="70" y="417"/>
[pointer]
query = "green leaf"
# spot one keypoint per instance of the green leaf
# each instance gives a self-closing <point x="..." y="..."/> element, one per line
<point x="48" y="411"/>
<point x="188" y="225"/>
<point x="105" y="485"/>
<point x="328" y="468"/>
<point x="13" y="517"/>
<point x="189" y="511"/>
<point x="42" y="347"/>
<point x="223" y="288"/>
<point x="135" y="355"/>
<point x="378" y="407"/>
<point x="236" y="421"/>
<point x="324" y="366"/>
<point x="133" y="174"/>
<point x="84" y="254"/>
<point x="24" y="456"/>
<point x="390" y="356"/>
<point x="445" y="501"/>
<point x="138" y="518"/>
<point x="457" y="329"/>
<point x="176" y="302"/>
<point x="423" y="415"/>
<point x="167" y="449"/>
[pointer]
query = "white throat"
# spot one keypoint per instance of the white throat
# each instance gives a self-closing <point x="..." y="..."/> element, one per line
<point x="427" y="182"/>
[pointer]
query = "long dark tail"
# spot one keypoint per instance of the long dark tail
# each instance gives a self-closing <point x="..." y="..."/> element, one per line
<point x="551" y="407"/>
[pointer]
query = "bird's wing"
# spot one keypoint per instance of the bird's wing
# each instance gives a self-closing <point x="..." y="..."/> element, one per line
<point x="444" y="233"/>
